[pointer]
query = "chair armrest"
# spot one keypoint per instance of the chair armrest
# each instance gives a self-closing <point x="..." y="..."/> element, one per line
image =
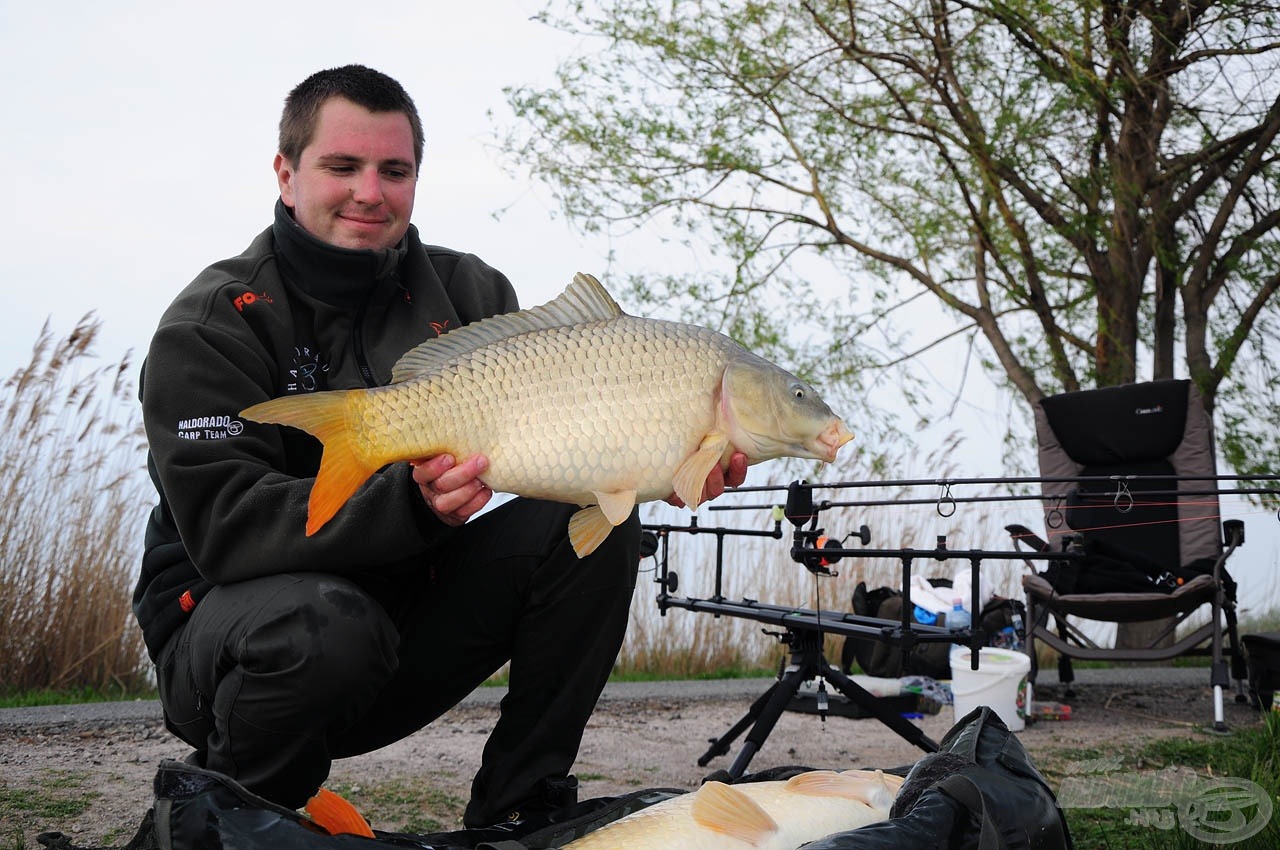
<point x="1022" y="534"/>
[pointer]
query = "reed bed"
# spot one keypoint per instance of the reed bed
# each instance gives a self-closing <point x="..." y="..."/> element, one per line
<point x="74" y="487"/>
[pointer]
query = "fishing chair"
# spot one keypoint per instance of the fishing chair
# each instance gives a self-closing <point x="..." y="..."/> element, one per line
<point x="1131" y="498"/>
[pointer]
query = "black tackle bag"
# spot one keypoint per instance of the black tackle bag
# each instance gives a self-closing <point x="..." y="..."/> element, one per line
<point x="199" y="809"/>
<point x="886" y="659"/>
<point x="980" y="791"/>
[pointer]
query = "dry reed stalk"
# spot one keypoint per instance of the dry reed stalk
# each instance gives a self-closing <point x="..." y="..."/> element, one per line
<point x="73" y="480"/>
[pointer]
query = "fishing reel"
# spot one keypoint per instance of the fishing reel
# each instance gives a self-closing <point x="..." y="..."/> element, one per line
<point x="811" y="546"/>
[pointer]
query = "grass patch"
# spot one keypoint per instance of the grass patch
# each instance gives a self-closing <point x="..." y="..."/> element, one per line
<point x="1198" y="806"/>
<point x="61" y="794"/>
<point x="74" y="696"/>
<point x="405" y="805"/>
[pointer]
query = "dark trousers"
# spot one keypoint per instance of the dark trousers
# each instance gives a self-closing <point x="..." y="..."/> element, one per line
<point x="273" y="678"/>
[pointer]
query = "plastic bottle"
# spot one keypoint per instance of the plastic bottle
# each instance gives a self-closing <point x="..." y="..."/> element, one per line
<point x="1018" y="634"/>
<point x="957" y="617"/>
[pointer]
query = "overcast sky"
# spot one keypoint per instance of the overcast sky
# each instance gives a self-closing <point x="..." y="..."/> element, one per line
<point x="139" y="138"/>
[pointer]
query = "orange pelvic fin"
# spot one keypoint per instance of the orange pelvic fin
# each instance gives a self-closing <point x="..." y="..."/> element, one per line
<point x="325" y="416"/>
<point x="587" y="530"/>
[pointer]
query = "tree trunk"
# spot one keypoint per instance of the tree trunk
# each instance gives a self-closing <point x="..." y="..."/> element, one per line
<point x="1144" y="634"/>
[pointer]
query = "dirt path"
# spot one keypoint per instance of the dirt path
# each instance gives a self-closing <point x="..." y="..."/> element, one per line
<point x="92" y="779"/>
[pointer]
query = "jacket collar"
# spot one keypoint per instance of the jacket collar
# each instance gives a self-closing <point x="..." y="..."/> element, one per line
<point x="338" y="276"/>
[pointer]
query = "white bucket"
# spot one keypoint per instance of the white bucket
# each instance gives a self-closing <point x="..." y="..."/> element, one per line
<point x="999" y="682"/>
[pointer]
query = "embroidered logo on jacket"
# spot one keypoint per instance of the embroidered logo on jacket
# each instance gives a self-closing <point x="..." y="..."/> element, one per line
<point x="246" y="298"/>
<point x="308" y="370"/>
<point x="209" y="427"/>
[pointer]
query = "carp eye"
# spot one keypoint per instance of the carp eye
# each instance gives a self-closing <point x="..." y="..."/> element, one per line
<point x="797" y="391"/>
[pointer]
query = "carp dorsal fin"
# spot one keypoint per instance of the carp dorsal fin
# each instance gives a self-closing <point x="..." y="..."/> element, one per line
<point x="583" y="300"/>
<point x="828" y="783"/>
<point x="724" y="809"/>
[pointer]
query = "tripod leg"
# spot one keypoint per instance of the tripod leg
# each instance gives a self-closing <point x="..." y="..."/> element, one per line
<point x="779" y="697"/>
<point x="912" y="733"/>
<point x="720" y="746"/>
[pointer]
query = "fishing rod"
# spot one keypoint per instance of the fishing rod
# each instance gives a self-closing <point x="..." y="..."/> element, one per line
<point x="1064" y="479"/>
<point x="1122" y="496"/>
<point x="950" y="500"/>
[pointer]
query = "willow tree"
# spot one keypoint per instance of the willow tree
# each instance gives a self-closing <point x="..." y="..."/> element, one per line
<point x="1088" y="188"/>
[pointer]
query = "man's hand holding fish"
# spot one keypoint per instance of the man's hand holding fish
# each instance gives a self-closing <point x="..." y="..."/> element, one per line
<point x="452" y="490"/>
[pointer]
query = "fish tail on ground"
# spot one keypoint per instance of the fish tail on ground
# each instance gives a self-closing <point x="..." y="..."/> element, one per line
<point x="336" y="816"/>
<point x="343" y="469"/>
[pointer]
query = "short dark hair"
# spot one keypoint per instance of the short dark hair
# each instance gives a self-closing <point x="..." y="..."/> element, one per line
<point x="373" y="90"/>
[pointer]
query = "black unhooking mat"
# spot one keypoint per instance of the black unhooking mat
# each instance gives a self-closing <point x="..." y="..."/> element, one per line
<point x="980" y="791"/>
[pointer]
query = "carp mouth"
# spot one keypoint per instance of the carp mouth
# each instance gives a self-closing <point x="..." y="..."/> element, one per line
<point x="833" y="437"/>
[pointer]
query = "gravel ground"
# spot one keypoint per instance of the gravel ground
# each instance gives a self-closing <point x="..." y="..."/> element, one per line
<point x="86" y="770"/>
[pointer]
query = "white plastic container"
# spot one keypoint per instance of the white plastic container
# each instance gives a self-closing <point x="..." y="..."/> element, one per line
<point x="999" y="682"/>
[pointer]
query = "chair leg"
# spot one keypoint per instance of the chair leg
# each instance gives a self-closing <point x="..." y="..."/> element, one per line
<point x="1239" y="669"/>
<point x="1029" y="647"/>
<point x="1066" y="672"/>
<point x="1218" y="670"/>
<point x="1029" y="639"/>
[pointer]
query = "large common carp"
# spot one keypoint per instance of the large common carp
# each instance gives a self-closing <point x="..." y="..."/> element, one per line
<point x="752" y="815"/>
<point x="573" y="401"/>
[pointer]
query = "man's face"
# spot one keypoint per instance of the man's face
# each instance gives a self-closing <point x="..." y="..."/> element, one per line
<point x="353" y="185"/>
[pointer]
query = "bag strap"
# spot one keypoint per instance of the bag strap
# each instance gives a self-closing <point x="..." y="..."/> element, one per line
<point x="965" y="791"/>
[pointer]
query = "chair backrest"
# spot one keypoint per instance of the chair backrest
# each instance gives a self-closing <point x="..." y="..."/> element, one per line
<point x="1158" y="428"/>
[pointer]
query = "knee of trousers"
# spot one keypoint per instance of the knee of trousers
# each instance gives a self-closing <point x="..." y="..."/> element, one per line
<point x="325" y="636"/>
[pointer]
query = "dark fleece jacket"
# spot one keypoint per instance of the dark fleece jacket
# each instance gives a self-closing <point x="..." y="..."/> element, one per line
<point x="289" y="315"/>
